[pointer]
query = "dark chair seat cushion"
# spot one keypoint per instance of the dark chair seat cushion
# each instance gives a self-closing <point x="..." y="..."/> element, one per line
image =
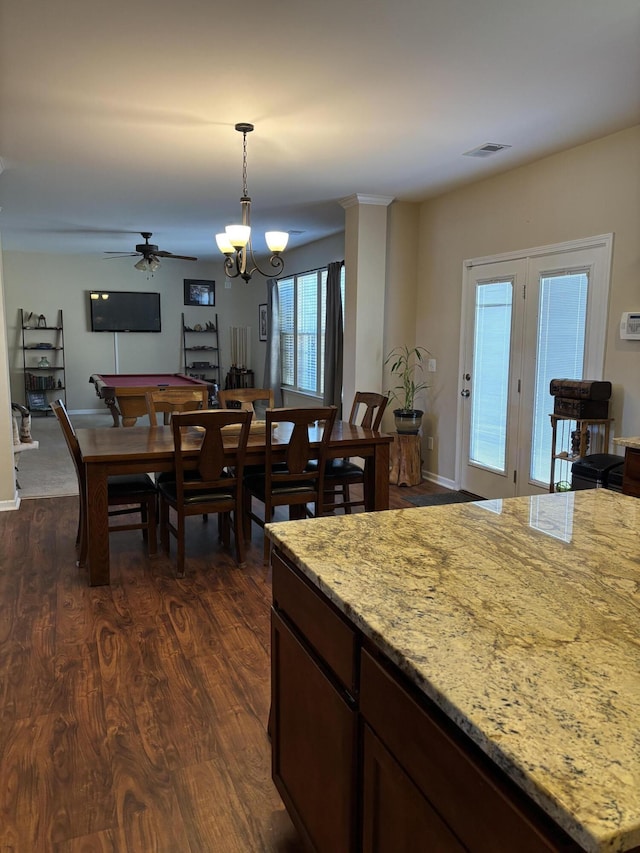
<point x="128" y="485"/>
<point x="170" y="477"/>
<point x="341" y="468"/>
<point x="256" y="485"/>
<point x="191" y="498"/>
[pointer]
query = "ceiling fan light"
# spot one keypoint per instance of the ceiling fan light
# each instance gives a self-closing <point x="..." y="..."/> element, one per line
<point x="238" y="235"/>
<point x="142" y="265"/>
<point x="224" y="244"/>
<point x="154" y="263"/>
<point x="277" y="240"/>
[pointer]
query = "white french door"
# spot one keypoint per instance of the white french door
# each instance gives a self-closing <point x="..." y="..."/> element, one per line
<point x="526" y="319"/>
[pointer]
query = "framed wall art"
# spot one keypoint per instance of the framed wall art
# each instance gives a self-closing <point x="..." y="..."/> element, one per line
<point x="197" y="291"/>
<point x="263" y="321"/>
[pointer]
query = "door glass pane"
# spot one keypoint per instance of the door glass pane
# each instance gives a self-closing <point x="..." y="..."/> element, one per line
<point x="562" y="318"/>
<point x="489" y="400"/>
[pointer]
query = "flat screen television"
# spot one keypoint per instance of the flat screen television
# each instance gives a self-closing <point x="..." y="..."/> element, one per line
<point x="122" y="311"/>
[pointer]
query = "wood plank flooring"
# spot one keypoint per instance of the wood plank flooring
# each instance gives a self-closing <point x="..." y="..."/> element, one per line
<point x="133" y="717"/>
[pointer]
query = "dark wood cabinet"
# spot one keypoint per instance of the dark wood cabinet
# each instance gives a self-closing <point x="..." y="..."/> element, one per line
<point x="313" y="731"/>
<point x="460" y="788"/>
<point x="396" y="816"/>
<point x="364" y="761"/>
<point x="631" y="472"/>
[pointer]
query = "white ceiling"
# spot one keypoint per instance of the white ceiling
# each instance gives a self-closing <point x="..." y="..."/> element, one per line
<point x="119" y="117"/>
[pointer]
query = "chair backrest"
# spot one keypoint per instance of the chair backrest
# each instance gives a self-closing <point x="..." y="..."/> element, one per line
<point x="299" y="451"/>
<point x="172" y="400"/>
<point x="247" y="398"/>
<point x="374" y="404"/>
<point x="60" y="411"/>
<point x="220" y="463"/>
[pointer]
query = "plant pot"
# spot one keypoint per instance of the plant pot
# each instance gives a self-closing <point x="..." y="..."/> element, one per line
<point x="408" y="421"/>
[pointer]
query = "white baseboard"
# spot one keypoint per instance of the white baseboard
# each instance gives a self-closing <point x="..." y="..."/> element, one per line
<point x="440" y="481"/>
<point x="6" y="506"/>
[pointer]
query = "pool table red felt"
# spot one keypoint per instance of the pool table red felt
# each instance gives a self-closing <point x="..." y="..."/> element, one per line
<point x="130" y="388"/>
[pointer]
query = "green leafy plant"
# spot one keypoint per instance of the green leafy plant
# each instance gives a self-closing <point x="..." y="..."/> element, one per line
<point x="406" y="363"/>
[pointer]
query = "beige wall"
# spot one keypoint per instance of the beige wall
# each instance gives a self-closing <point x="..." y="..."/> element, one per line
<point x="46" y="283"/>
<point x="8" y="495"/>
<point x="400" y="293"/>
<point x="589" y="190"/>
<point x="366" y="241"/>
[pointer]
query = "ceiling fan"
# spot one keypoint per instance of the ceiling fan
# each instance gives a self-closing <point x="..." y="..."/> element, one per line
<point x="149" y="255"/>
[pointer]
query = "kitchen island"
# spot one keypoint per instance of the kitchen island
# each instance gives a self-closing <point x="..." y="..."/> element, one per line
<point x="464" y="677"/>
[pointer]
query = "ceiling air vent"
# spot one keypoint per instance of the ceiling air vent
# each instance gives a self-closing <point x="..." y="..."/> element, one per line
<point x="485" y="150"/>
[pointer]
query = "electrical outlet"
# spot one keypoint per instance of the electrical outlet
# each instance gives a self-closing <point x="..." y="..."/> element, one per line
<point x="432" y="365"/>
<point x="430" y="443"/>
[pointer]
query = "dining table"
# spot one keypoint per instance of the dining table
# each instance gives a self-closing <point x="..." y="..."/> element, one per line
<point x="142" y="449"/>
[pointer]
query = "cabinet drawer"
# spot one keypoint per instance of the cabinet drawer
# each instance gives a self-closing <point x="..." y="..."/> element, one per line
<point x="480" y="805"/>
<point x="323" y="628"/>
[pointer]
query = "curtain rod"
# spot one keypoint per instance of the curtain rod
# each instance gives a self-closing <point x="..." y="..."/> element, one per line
<point x="315" y="269"/>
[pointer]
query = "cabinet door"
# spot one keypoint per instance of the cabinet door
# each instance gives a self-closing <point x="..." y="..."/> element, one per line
<point x="631" y="472"/>
<point x="313" y="745"/>
<point x="397" y="818"/>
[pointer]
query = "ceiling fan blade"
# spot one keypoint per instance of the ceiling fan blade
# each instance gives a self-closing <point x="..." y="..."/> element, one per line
<point x="120" y="255"/>
<point x="177" y="257"/>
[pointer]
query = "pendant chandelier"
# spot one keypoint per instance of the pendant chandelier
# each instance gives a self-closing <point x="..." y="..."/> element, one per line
<point x="235" y="242"/>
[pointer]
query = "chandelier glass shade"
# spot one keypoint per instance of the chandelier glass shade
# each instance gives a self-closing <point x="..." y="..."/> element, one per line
<point x="235" y="241"/>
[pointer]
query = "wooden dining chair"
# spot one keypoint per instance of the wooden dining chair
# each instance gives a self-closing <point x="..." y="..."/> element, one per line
<point x="127" y="494"/>
<point x="213" y="485"/>
<point x="171" y="400"/>
<point x="290" y="480"/>
<point x="256" y="400"/>
<point x="340" y="474"/>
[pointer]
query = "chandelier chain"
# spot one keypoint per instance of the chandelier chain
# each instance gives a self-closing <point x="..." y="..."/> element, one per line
<point x="244" y="164"/>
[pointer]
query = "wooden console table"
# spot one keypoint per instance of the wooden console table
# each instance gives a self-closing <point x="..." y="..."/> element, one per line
<point x="405" y="460"/>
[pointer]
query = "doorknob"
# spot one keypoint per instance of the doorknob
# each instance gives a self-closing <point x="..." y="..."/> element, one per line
<point x="465" y="393"/>
<point x="467" y="376"/>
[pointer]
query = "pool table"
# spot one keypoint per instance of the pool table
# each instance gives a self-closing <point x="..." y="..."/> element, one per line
<point x="124" y="393"/>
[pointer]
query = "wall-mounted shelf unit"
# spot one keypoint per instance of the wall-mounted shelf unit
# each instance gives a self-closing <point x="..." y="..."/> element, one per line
<point x="42" y="361"/>
<point x="201" y="352"/>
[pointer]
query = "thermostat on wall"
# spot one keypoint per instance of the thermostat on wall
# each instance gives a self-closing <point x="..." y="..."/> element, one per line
<point x="630" y="326"/>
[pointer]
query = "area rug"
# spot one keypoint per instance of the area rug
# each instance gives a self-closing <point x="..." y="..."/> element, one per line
<point x="441" y="499"/>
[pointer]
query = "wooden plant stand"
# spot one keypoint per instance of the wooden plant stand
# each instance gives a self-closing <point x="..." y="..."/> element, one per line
<point x="405" y="460"/>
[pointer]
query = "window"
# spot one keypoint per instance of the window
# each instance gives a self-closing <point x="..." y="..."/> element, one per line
<point x="303" y="300"/>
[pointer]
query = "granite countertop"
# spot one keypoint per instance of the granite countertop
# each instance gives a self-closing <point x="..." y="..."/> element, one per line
<point x="520" y="618"/>
<point x="628" y="442"/>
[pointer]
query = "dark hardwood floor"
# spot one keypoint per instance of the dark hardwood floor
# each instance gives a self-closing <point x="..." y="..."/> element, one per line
<point x="133" y="716"/>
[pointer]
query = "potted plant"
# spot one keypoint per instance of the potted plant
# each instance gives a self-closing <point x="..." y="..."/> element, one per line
<point x="405" y="363"/>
